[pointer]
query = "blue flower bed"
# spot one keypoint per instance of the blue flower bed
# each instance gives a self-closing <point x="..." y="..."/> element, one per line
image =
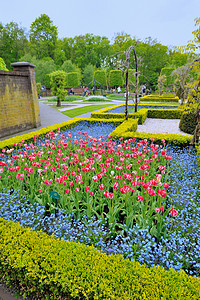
<point x="131" y="108"/>
<point x="94" y="129"/>
<point x="180" y="249"/>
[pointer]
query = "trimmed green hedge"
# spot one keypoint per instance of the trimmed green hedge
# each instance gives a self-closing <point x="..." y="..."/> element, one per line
<point x="8" y="143"/>
<point x="49" y="268"/>
<point x="72" y="79"/>
<point x="142" y="114"/>
<point x="100" y="77"/>
<point x="188" y="122"/>
<point x="130" y="125"/>
<point x="165" y="113"/>
<point x="157" y="98"/>
<point x="115" y="78"/>
<point x="173" y="139"/>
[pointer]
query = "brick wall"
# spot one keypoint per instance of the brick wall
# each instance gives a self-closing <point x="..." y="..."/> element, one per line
<point x="19" y="108"/>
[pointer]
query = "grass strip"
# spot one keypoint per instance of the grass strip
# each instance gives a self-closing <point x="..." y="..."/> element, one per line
<point x="83" y="110"/>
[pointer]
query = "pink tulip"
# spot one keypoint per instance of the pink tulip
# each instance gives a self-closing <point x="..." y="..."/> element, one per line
<point x="101" y="187"/>
<point x="173" y="212"/>
<point x="140" y="198"/>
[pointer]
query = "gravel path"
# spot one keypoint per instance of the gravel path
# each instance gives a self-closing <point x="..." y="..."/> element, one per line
<point x="161" y="126"/>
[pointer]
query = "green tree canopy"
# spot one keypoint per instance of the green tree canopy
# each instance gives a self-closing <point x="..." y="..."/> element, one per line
<point x="13" y="43"/>
<point x="161" y="83"/>
<point x="193" y="45"/>
<point x="43" y="37"/>
<point x="122" y="42"/>
<point x="58" y="83"/>
<point x="59" y="54"/>
<point x="88" y="74"/>
<point x="131" y="78"/>
<point x="167" y="71"/>
<point x="153" y="57"/>
<point x="87" y="49"/>
<point x="69" y="67"/>
<point x="2" y="65"/>
<point x="43" y="68"/>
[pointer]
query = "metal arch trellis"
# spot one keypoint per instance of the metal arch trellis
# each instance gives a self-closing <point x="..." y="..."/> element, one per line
<point x="136" y="79"/>
<point x="94" y="83"/>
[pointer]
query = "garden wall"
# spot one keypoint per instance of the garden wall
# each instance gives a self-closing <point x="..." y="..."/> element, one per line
<point x="19" y="108"/>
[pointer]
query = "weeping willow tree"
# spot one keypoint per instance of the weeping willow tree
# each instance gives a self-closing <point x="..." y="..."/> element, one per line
<point x="193" y="101"/>
<point x="161" y="83"/>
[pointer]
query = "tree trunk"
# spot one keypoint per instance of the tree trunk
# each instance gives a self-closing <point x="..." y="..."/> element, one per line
<point x="58" y="102"/>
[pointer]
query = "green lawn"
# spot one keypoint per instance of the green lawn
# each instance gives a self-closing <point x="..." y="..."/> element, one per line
<point x="83" y="110"/>
<point x="67" y="99"/>
<point x="53" y="105"/>
<point x="97" y="99"/>
<point x="115" y="97"/>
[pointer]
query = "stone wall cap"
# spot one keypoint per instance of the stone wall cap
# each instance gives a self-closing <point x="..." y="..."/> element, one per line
<point x="22" y="64"/>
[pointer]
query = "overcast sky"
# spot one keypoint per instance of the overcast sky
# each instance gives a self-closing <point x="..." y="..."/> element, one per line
<point x="171" y="22"/>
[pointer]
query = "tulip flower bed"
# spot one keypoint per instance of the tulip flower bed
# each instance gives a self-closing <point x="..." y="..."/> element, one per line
<point x="93" y="177"/>
<point x="122" y="197"/>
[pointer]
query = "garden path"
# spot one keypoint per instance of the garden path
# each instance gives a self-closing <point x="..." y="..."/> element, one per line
<point x="161" y="126"/>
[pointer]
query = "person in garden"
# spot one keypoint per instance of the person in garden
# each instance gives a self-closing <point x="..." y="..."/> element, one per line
<point x="119" y="89"/>
<point x="72" y="91"/>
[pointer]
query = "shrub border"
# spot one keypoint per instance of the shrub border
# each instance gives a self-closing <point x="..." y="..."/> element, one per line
<point x="50" y="268"/>
<point x="41" y="132"/>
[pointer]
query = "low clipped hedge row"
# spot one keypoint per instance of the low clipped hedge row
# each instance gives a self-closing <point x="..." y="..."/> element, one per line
<point x="130" y="125"/>
<point x="100" y="115"/>
<point x="173" y="139"/>
<point x="165" y="113"/>
<point x="141" y="115"/>
<point x="104" y="114"/>
<point x="198" y="152"/>
<point x="49" y="268"/>
<point x="158" y="98"/>
<point x="43" y="131"/>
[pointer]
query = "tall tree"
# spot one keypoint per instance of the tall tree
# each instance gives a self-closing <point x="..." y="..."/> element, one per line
<point x="88" y="73"/>
<point x="13" y="42"/>
<point x="43" y="68"/>
<point x="154" y="57"/>
<point x="122" y="42"/>
<point x="193" y="45"/>
<point x="87" y="49"/>
<point x="43" y="37"/>
<point x="68" y="66"/>
<point x="59" y="54"/>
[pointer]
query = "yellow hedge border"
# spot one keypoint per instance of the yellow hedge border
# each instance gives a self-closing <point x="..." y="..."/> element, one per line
<point x="41" y="132"/>
<point x="50" y="268"/>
